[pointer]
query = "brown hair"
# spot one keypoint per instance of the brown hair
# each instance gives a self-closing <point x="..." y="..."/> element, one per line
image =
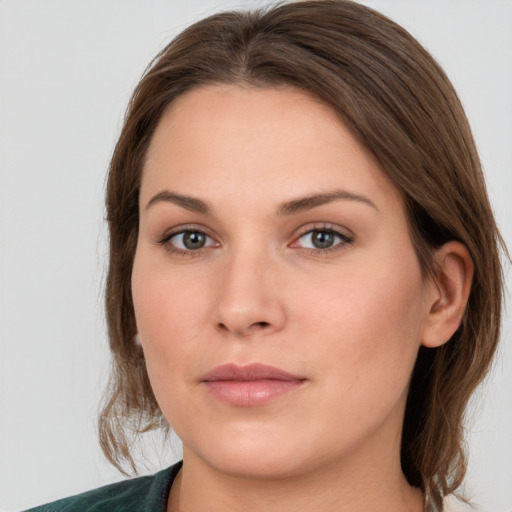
<point x="399" y="103"/>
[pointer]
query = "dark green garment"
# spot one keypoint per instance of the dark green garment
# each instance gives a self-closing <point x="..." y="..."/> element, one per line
<point x="144" y="494"/>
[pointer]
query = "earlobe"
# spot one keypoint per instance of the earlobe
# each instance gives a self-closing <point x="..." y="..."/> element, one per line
<point x="448" y="293"/>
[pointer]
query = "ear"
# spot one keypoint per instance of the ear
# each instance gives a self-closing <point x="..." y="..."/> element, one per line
<point x="447" y="294"/>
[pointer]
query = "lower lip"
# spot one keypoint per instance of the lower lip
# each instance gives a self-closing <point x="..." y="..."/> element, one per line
<point x="251" y="393"/>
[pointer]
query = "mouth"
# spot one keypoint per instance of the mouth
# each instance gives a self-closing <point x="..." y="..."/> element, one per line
<point x="250" y="385"/>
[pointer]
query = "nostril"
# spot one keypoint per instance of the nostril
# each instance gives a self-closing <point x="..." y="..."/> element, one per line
<point x="241" y="330"/>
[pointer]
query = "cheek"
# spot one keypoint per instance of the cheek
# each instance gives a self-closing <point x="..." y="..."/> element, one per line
<point x="369" y="324"/>
<point x="169" y="328"/>
<point x="170" y="313"/>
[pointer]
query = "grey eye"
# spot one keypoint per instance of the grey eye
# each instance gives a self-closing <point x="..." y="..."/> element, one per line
<point x="191" y="240"/>
<point x="322" y="239"/>
<point x="194" y="240"/>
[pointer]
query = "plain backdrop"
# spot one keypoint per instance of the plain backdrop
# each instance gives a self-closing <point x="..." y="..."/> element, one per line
<point x="67" y="68"/>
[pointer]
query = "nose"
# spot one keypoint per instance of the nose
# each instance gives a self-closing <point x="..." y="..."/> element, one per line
<point x="250" y="300"/>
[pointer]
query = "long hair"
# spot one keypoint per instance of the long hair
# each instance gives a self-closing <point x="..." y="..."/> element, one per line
<point x="399" y="104"/>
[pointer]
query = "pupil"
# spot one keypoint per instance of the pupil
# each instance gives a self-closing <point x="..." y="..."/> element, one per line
<point x="322" y="239"/>
<point x="193" y="240"/>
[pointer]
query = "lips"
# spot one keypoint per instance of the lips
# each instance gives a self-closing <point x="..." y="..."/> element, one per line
<point x="250" y="385"/>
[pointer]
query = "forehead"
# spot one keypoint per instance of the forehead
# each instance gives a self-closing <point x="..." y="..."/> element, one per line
<point x="241" y="142"/>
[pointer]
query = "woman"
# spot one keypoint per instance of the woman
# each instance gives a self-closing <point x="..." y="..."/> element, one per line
<point x="304" y="274"/>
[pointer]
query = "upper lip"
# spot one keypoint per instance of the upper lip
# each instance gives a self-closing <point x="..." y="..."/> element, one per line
<point x="250" y="372"/>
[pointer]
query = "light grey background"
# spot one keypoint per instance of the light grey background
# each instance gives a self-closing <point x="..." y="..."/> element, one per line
<point x="67" y="68"/>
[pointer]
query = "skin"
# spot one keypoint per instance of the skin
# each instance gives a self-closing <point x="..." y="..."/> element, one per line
<point x="349" y="319"/>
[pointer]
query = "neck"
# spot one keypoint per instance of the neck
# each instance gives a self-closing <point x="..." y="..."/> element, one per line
<point x="372" y="485"/>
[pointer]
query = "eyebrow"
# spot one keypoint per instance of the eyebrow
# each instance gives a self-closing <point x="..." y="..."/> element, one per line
<point x="189" y="203"/>
<point x="287" y="208"/>
<point x="312" y="201"/>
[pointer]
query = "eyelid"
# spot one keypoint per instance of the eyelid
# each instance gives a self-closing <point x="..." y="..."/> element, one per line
<point x="347" y="237"/>
<point x="165" y="239"/>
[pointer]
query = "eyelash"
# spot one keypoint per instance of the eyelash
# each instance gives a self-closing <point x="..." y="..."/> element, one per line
<point x="166" y="242"/>
<point x="344" y="240"/>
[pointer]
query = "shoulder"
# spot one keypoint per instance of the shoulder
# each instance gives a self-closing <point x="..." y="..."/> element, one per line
<point x="147" y="493"/>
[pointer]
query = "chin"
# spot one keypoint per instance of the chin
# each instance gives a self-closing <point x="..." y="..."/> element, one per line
<point x="258" y="456"/>
<point x="261" y="465"/>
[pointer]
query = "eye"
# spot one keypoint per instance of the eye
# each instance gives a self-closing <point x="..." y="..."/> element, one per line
<point x="188" y="241"/>
<point x="322" y="239"/>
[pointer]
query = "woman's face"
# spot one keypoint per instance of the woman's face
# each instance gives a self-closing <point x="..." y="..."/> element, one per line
<point x="278" y="297"/>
